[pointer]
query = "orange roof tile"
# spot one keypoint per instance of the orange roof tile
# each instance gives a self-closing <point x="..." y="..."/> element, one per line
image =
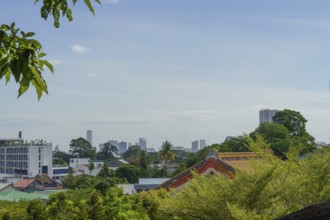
<point x="23" y="183"/>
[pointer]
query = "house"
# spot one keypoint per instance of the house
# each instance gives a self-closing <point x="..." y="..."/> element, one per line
<point x="215" y="163"/>
<point x="85" y="170"/>
<point x="39" y="183"/>
<point x="114" y="164"/>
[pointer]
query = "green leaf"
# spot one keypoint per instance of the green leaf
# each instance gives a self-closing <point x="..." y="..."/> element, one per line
<point x="89" y="5"/>
<point x="69" y="14"/>
<point x="42" y="54"/>
<point x="38" y="79"/>
<point x="7" y="72"/>
<point x="49" y="65"/>
<point x="38" y="89"/>
<point x="29" y="34"/>
<point x="24" y="85"/>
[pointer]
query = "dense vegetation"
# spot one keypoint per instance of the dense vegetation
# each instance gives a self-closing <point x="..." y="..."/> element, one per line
<point x="275" y="188"/>
<point x="293" y="175"/>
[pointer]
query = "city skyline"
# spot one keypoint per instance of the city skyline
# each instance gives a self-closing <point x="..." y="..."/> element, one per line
<point x="172" y="70"/>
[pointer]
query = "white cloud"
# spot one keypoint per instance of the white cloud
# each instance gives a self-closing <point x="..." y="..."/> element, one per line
<point x="79" y="49"/>
<point x="111" y="1"/>
<point x="91" y="75"/>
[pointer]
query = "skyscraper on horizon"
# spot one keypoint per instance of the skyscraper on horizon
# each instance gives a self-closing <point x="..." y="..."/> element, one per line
<point x="143" y="143"/>
<point x="89" y="136"/>
<point x="266" y="115"/>
<point x="202" y="144"/>
<point x="122" y="147"/>
<point x="194" y="146"/>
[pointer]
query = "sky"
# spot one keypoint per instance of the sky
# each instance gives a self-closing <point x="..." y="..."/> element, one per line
<point x="172" y="70"/>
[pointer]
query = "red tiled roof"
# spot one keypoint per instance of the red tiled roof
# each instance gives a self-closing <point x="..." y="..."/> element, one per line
<point x="23" y="183"/>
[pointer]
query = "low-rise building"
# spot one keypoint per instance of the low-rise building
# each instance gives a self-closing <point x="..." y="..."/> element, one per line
<point x="75" y="162"/>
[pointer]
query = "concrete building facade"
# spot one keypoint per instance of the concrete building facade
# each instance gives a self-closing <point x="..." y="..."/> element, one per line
<point x="202" y="144"/>
<point x="266" y="115"/>
<point x="89" y="136"/>
<point x="143" y="143"/>
<point x="195" y="146"/>
<point x="25" y="159"/>
<point x="122" y="147"/>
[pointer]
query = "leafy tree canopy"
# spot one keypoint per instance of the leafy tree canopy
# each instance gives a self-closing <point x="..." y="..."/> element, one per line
<point x="274" y="189"/>
<point x="130" y="172"/>
<point x="292" y="120"/>
<point x="133" y="153"/>
<point x="82" y="148"/>
<point x="107" y="152"/>
<point x="277" y="135"/>
<point x="21" y="56"/>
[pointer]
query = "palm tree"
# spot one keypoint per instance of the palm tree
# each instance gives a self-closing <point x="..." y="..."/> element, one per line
<point x="91" y="167"/>
<point x="165" y="153"/>
<point x="144" y="160"/>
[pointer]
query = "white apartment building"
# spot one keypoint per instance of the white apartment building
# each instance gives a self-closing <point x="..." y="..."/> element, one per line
<point x="75" y="162"/>
<point x="19" y="158"/>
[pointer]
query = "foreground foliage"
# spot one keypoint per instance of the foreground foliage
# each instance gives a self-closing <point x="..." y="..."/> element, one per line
<point x="77" y="204"/>
<point x="275" y="189"/>
<point x="21" y="55"/>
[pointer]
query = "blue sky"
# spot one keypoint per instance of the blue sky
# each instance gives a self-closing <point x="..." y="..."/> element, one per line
<point x="173" y="70"/>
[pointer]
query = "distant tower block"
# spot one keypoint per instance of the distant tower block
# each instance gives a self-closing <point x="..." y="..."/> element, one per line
<point x="202" y="144"/>
<point x="90" y="136"/>
<point x="194" y="146"/>
<point x="266" y="115"/>
<point x="143" y="143"/>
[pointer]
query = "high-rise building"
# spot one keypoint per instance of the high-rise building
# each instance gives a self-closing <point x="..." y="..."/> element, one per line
<point x="122" y="147"/>
<point x="25" y="159"/>
<point x="101" y="146"/>
<point x="89" y="136"/>
<point x="194" y="146"/>
<point x="266" y="115"/>
<point x="114" y="143"/>
<point x="143" y="143"/>
<point x="202" y="144"/>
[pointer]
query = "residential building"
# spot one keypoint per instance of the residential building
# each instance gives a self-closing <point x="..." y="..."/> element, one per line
<point x="122" y="147"/>
<point x="143" y="143"/>
<point x="60" y="171"/>
<point x="194" y="146"/>
<point x="101" y="146"/>
<point x="25" y="159"/>
<point x="114" y="143"/>
<point x="202" y="144"/>
<point x="89" y="136"/>
<point x="266" y="115"/>
<point x="74" y="162"/>
<point x="151" y="150"/>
